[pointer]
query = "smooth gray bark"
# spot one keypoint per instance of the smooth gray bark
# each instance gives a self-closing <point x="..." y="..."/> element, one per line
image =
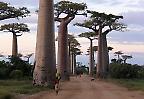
<point x="91" y="69"/>
<point x="105" y="55"/>
<point x="99" y="55"/>
<point x="45" y="68"/>
<point x="14" y="45"/>
<point x="63" y="56"/>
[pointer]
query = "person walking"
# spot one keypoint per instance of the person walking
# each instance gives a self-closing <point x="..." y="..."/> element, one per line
<point x="57" y="83"/>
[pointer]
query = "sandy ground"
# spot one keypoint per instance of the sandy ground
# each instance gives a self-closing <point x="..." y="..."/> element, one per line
<point x="83" y="88"/>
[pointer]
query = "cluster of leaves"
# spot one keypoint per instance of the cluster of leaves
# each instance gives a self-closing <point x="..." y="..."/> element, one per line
<point x="126" y="71"/>
<point x="16" y="68"/>
<point x="7" y="11"/>
<point x="15" y="28"/>
<point x="81" y="70"/>
<point x="68" y="8"/>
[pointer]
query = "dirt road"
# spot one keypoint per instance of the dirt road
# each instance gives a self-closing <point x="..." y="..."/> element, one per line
<point x="84" y="88"/>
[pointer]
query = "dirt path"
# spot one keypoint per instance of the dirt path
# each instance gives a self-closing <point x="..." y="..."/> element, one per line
<point x="83" y="88"/>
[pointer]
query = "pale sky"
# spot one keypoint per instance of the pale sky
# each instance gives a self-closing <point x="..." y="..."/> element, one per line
<point x="130" y="42"/>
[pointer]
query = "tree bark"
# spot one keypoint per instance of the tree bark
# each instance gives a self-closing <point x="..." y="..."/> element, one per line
<point x="63" y="50"/>
<point x="99" y="55"/>
<point x="45" y="68"/>
<point x="91" y="58"/>
<point x="74" y="65"/>
<point x="69" y="58"/>
<point x="14" y="45"/>
<point x="105" y="55"/>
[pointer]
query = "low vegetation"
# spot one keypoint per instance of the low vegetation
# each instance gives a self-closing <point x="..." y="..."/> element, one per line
<point x="9" y="88"/>
<point x="126" y="71"/>
<point x="131" y="84"/>
<point x="16" y="78"/>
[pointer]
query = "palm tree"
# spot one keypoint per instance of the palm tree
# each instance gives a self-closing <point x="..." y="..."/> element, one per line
<point x="91" y="36"/>
<point x="17" y="30"/>
<point x="7" y="11"/>
<point x="70" y="9"/>
<point x="45" y="66"/>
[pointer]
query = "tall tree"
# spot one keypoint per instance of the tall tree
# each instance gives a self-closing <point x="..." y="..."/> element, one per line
<point x="102" y="24"/>
<point x="28" y="56"/>
<point x="91" y="36"/>
<point x="72" y="43"/>
<point x="17" y="30"/>
<point x="70" y="10"/>
<point x="125" y="57"/>
<point x="74" y="51"/>
<point x="118" y="53"/>
<point x="45" y="66"/>
<point x="7" y="11"/>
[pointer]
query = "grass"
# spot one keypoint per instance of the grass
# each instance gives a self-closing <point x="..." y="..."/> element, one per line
<point x="131" y="84"/>
<point x="8" y="88"/>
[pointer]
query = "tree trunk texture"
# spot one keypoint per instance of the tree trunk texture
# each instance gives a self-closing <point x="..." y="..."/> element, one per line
<point x="99" y="56"/>
<point x="69" y="58"/>
<point x="72" y="63"/>
<point x="74" y="66"/>
<point x="63" y="51"/>
<point x="14" y="45"/>
<point x="91" y="68"/>
<point x="45" y="68"/>
<point x="105" y="55"/>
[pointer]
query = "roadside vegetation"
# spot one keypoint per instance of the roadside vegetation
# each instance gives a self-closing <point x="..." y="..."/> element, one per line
<point x="10" y="88"/>
<point x="131" y="84"/>
<point x="16" y="75"/>
<point x="16" y="78"/>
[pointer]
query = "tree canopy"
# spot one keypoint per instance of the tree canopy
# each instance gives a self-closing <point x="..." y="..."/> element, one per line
<point x="68" y="8"/>
<point x="104" y="20"/>
<point x="16" y="28"/>
<point x="7" y="11"/>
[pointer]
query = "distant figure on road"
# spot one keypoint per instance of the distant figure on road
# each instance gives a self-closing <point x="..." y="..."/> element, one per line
<point x="56" y="86"/>
<point x="58" y="77"/>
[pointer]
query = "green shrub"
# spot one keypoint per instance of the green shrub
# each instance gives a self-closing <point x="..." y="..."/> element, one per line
<point x="141" y="73"/>
<point x="16" y="74"/>
<point x="6" y="95"/>
<point x="125" y="71"/>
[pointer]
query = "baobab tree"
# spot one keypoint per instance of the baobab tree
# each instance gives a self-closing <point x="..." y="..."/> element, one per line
<point x="28" y="56"/>
<point x="91" y="36"/>
<point x="118" y="53"/>
<point x="17" y="29"/>
<point x="74" y="51"/>
<point x="7" y="11"/>
<point x="102" y="24"/>
<point x="95" y="49"/>
<point x="70" y="10"/>
<point x="72" y="43"/>
<point x="45" y="66"/>
<point x="125" y="57"/>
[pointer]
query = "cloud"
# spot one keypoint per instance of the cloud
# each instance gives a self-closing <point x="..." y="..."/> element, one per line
<point x="135" y="17"/>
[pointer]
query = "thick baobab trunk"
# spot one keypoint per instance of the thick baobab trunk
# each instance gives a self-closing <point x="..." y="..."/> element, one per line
<point x="45" y="68"/>
<point x="91" y="68"/>
<point x="14" y="45"/>
<point x="63" y="51"/>
<point x="105" y="55"/>
<point x="99" y="56"/>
